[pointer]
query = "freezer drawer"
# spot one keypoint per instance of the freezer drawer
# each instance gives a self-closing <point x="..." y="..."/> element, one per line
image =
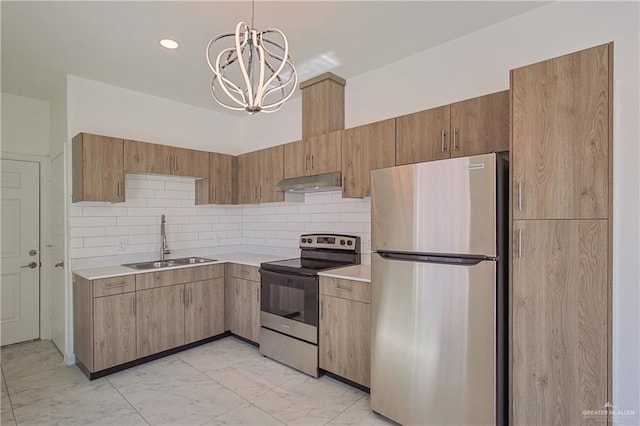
<point x="434" y="342"/>
<point x="447" y="206"/>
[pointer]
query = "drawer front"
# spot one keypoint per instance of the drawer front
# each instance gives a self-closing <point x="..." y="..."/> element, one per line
<point x="346" y="289"/>
<point x="179" y="276"/>
<point x="115" y="285"/>
<point x="245" y="272"/>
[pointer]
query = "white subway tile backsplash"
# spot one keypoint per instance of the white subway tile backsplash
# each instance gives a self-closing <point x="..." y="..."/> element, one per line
<point x="97" y="229"/>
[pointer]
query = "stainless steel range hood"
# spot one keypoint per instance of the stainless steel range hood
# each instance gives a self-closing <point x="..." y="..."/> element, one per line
<point x="315" y="183"/>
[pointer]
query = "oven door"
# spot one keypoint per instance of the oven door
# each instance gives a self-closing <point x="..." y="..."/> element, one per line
<point x="289" y="304"/>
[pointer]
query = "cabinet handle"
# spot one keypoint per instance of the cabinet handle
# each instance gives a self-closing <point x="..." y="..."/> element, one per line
<point x="166" y="163"/>
<point x="443" y="137"/>
<point x="520" y="242"/>
<point x="311" y="161"/>
<point x="182" y="296"/>
<point x="120" y="284"/>
<point x="214" y="195"/>
<point x="258" y="294"/>
<point x="343" y="288"/>
<point x="133" y="305"/>
<point x="260" y="194"/>
<point x="119" y="188"/>
<point x="306" y="162"/>
<point x="321" y="316"/>
<point x="175" y="164"/>
<point x="455" y="139"/>
<point x="519" y="195"/>
<point x="190" y="296"/>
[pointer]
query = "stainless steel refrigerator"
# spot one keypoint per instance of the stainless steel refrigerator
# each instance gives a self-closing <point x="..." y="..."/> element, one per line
<point x="439" y="292"/>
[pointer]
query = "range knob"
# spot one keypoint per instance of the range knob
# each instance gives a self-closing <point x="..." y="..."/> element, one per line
<point x="304" y="240"/>
<point x="349" y="243"/>
<point x="342" y="242"/>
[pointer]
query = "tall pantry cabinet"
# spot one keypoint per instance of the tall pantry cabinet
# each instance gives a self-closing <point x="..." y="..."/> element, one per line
<point x="561" y="162"/>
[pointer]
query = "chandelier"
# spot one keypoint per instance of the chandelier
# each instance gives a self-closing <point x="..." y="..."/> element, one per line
<point x="252" y="69"/>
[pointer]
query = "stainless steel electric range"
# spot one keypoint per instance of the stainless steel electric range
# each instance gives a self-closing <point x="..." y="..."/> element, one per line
<point x="289" y="298"/>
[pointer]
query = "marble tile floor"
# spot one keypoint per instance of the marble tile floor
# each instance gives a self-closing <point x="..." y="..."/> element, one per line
<point x="226" y="382"/>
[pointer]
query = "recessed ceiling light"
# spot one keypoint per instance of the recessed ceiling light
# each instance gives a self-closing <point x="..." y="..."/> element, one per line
<point x="167" y="43"/>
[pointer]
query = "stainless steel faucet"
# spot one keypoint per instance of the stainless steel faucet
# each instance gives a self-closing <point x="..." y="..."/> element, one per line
<point x="163" y="236"/>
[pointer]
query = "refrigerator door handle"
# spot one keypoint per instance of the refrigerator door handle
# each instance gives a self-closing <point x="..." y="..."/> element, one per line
<point x="468" y="260"/>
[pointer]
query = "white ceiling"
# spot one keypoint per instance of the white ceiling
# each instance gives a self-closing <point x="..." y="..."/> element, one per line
<point x="117" y="42"/>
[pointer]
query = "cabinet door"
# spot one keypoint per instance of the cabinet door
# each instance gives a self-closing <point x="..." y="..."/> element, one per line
<point x="248" y="177"/>
<point x="189" y="162"/>
<point x="324" y="153"/>
<point x="160" y="319"/>
<point x="271" y="169"/>
<point x="559" y="320"/>
<point x="98" y="168"/>
<point x="560" y="125"/>
<point x="295" y="159"/>
<point x="204" y="311"/>
<point x="221" y="178"/>
<point x="345" y="338"/>
<point x="423" y="136"/>
<point x="143" y="157"/>
<point x="480" y="125"/>
<point x="245" y="308"/>
<point x="366" y="148"/>
<point x="114" y="319"/>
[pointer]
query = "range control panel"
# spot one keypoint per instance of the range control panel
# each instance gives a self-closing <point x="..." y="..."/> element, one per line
<point x="330" y="241"/>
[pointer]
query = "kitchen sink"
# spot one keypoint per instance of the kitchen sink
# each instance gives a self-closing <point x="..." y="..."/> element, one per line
<point x="157" y="264"/>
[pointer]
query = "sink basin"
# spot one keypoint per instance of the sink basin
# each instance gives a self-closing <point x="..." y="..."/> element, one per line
<point x="157" y="264"/>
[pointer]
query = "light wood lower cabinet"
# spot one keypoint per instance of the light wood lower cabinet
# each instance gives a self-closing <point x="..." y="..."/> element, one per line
<point x="559" y="321"/>
<point x="243" y="301"/>
<point x="160" y="319"/>
<point x="204" y="309"/>
<point x="114" y="340"/>
<point x="345" y="329"/>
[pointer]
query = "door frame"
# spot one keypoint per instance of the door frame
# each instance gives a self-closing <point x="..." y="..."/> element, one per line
<point x="45" y="236"/>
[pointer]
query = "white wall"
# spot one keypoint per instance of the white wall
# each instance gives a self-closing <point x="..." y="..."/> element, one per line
<point x="477" y="64"/>
<point x="108" y="110"/>
<point x="25" y="125"/>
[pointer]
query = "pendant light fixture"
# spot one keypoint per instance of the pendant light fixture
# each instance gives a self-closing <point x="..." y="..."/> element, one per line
<point x="252" y="69"/>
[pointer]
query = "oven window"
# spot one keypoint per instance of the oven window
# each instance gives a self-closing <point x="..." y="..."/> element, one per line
<point x="290" y="296"/>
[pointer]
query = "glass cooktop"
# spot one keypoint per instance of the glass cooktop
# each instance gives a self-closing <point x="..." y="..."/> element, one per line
<point x="303" y="266"/>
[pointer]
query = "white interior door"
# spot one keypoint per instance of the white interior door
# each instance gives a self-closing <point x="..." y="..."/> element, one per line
<point x="58" y="304"/>
<point x="20" y="258"/>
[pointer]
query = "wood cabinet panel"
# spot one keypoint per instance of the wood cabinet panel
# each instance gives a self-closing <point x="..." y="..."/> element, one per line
<point x="324" y="153"/>
<point x="221" y="180"/>
<point x="559" y="315"/>
<point x="189" y="162"/>
<point x="271" y="171"/>
<point x="160" y="319"/>
<point x="248" y="177"/>
<point x="366" y="148"/>
<point x="83" y="321"/>
<point x="346" y="289"/>
<point x="114" y="285"/>
<point x="204" y="311"/>
<point x="144" y="157"/>
<point x="97" y="168"/>
<point x="480" y="125"/>
<point x="322" y="105"/>
<point x="114" y="330"/>
<point x="245" y="272"/>
<point x="178" y="276"/>
<point x="345" y="338"/>
<point x="560" y="134"/>
<point x="244" y="304"/>
<point x="423" y="136"/>
<point x="295" y="159"/>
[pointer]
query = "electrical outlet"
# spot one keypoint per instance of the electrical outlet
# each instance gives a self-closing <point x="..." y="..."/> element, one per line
<point x="122" y="243"/>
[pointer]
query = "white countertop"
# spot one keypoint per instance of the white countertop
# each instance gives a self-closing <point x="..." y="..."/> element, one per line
<point x="250" y="259"/>
<point x="354" y="273"/>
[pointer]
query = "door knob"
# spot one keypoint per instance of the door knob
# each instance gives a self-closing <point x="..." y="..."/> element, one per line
<point x="31" y="265"/>
<point x="59" y="264"/>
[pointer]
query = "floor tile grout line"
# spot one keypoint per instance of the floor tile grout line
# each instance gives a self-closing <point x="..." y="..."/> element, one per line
<point x="128" y="402"/>
<point x="4" y="382"/>
<point x="341" y="412"/>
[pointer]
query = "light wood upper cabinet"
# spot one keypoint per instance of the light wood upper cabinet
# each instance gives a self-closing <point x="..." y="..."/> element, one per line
<point x="366" y="148"/>
<point x="258" y="174"/>
<point x="560" y="136"/>
<point x="204" y="309"/>
<point x="559" y="320"/>
<point x="316" y="155"/>
<point x="475" y="126"/>
<point x="423" y="136"/>
<point x="480" y="125"/>
<point x="97" y="168"/>
<point x="160" y="319"/>
<point x="345" y="329"/>
<point x="144" y="157"/>
<point x="114" y="330"/>
<point x="220" y="187"/>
